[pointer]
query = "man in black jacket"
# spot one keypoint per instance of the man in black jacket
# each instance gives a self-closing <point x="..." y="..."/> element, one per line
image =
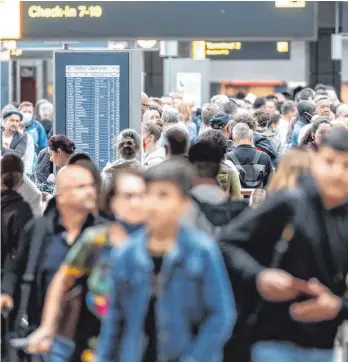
<point x="12" y="140"/>
<point x="309" y="277"/>
<point x="246" y="155"/>
<point x="53" y="235"/>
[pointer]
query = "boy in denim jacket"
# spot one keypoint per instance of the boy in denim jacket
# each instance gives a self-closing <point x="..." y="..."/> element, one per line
<point x="171" y="299"/>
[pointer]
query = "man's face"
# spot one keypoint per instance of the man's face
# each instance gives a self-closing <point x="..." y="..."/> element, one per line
<point x="78" y="191"/>
<point x="128" y="203"/>
<point x="165" y="204"/>
<point x="330" y="169"/>
<point x="323" y="109"/>
<point x="27" y="110"/>
<point x="167" y="101"/>
<point x="270" y="107"/>
<point x="323" y="130"/>
<point x="12" y="122"/>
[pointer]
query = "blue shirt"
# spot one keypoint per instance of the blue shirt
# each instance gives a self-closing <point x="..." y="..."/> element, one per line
<point x="53" y="257"/>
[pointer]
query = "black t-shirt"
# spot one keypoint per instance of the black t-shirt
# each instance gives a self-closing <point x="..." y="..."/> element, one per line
<point x="150" y="354"/>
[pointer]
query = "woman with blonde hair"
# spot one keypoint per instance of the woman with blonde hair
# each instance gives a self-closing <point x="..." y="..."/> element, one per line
<point x="185" y="116"/>
<point x="293" y="164"/>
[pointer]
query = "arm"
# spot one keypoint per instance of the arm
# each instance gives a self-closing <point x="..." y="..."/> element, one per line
<point x="240" y="240"/>
<point x="75" y="265"/>
<point x="220" y="309"/>
<point x="31" y="195"/>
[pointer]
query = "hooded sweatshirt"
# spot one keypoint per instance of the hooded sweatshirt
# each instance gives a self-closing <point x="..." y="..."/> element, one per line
<point x="118" y="165"/>
<point x="274" y="138"/>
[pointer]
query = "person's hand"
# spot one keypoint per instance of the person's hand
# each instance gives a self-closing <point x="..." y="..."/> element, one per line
<point x="40" y="341"/>
<point x="44" y="196"/>
<point x="51" y="178"/>
<point x="276" y="285"/>
<point x="6" y="302"/>
<point x="323" y="306"/>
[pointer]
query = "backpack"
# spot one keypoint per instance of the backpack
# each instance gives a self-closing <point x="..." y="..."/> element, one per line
<point x="220" y="214"/>
<point x="251" y="175"/>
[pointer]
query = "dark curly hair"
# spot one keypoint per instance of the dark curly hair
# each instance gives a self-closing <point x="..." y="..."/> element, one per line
<point x="308" y="136"/>
<point x="128" y="144"/>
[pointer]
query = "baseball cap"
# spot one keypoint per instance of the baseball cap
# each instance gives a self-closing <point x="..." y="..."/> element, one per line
<point x="220" y="120"/>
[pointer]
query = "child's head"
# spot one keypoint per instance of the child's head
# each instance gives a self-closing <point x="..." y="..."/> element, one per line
<point x="168" y="188"/>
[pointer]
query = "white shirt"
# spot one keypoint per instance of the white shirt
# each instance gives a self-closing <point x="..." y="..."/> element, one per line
<point x="6" y="141"/>
<point x="28" y="158"/>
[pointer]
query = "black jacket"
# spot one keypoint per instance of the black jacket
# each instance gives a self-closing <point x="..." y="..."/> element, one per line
<point x="18" y="145"/>
<point x="245" y="155"/>
<point x="44" y="166"/>
<point x="318" y="249"/>
<point x="15" y="213"/>
<point x="12" y="279"/>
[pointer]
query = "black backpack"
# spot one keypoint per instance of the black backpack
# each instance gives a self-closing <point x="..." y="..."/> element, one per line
<point x="221" y="214"/>
<point x="251" y="175"/>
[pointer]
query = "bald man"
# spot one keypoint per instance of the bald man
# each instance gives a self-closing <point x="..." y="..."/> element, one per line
<point x="45" y="242"/>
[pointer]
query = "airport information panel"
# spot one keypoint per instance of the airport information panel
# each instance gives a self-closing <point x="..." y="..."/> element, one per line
<point x="199" y="20"/>
<point x="92" y="98"/>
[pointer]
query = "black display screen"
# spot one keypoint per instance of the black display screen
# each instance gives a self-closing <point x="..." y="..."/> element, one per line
<point x="92" y="101"/>
<point x="253" y="20"/>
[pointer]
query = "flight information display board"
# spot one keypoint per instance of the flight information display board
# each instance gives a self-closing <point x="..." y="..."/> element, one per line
<point x="92" y="97"/>
<point x="199" y="20"/>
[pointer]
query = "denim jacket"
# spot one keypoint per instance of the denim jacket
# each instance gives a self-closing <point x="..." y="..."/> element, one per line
<point x="195" y="295"/>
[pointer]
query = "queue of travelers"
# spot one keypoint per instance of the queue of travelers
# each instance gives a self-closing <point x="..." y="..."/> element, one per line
<point x="218" y="234"/>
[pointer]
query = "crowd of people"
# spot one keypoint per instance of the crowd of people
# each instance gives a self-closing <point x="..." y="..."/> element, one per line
<point x="218" y="234"/>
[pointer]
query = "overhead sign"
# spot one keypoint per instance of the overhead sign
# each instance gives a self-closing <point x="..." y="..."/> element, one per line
<point x="199" y="20"/>
<point x="244" y="50"/>
<point x="10" y="21"/>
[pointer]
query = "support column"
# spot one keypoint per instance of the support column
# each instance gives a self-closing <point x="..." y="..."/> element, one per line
<point x="153" y="68"/>
<point x="322" y="68"/>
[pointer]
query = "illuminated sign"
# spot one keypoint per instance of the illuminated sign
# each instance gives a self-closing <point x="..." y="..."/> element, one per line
<point x="238" y="50"/>
<point x="147" y="44"/>
<point x="223" y="48"/>
<point x="282" y="46"/>
<point x="10" y="19"/>
<point x="290" y="4"/>
<point x="125" y="20"/>
<point x="79" y="11"/>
